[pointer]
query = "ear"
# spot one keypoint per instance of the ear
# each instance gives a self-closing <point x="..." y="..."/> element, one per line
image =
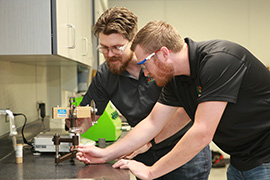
<point x="164" y="53"/>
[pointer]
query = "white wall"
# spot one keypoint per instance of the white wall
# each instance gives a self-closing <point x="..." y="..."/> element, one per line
<point x="21" y="86"/>
<point x="243" y="21"/>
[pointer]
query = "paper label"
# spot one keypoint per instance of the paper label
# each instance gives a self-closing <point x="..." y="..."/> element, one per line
<point x="62" y="113"/>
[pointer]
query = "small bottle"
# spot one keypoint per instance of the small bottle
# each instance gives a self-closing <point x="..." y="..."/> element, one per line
<point x="19" y="153"/>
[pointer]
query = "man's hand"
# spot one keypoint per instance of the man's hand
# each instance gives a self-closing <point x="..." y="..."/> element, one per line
<point x="137" y="168"/>
<point x="90" y="154"/>
<point x="83" y="123"/>
<point x="141" y="150"/>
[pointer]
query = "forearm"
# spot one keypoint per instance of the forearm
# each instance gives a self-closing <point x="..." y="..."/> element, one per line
<point x="207" y="117"/>
<point x="136" y="138"/>
<point x="176" y="124"/>
<point x="189" y="146"/>
<point x="142" y="133"/>
<point x="179" y="120"/>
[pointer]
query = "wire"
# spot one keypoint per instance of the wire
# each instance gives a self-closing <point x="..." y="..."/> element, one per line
<point x="25" y="121"/>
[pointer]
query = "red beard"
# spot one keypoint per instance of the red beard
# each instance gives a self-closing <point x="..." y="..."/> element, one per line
<point x="164" y="73"/>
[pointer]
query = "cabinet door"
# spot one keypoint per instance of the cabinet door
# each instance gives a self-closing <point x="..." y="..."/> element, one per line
<point x="74" y="29"/>
<point x="84" y="51"/>
<point x="25" y="27"/>
<point x="66" y="28"/>
<point x="73" y="26"/>
<point x="61" y="28"/>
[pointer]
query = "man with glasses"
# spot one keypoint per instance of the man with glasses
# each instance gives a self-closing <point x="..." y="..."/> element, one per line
<point x="122" y="81"/>
<point x="222" y="87"/>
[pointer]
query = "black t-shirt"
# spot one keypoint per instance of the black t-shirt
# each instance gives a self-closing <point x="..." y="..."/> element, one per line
<point x="134" y="98"/>
<point x="224" y="71"/>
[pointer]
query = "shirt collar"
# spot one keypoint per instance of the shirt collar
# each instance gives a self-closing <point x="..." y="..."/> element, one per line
<point x="127" y="74"/>
<point x="193" y="57"/>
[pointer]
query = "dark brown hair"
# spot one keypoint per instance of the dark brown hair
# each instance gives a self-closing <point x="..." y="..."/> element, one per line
<point x="117" y="20"/>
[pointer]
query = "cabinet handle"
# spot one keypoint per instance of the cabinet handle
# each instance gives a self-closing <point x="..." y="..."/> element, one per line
<point x="73" y="36"/>
<point x="86" y="46"/>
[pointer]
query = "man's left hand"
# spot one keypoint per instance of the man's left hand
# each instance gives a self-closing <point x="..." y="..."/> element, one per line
<point x="137" y="168"/>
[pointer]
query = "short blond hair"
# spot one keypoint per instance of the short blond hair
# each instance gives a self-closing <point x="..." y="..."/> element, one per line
<point x="157" y="34"/>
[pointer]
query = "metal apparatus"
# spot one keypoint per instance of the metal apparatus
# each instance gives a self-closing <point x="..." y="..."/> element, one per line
<point x="12" y="127"/>
<point x="72" y="113"/>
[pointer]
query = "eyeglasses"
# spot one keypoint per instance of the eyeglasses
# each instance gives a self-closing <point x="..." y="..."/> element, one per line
<point x="141" y="63"/>
<point x="115" y="50"/>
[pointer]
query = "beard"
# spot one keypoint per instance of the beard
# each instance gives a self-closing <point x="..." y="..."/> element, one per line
<point x="116" y="63"/>
<point x="164" y="73"/>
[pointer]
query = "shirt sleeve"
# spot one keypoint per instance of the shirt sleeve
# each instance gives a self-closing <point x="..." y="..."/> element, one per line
<point x="96" y="92"/>
<point x="221" y="76"/>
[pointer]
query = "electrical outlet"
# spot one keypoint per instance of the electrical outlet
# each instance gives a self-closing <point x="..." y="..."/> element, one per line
<point x="41" y="109"/>
<point x="37" y="105"/>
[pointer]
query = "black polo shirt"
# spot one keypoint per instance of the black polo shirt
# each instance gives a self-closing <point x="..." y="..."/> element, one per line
<point x="224" y="71"/>
<point x="134" y="98"/>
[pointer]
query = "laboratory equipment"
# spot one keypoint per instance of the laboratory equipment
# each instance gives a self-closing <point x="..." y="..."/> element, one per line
<point x="72" y="112"/>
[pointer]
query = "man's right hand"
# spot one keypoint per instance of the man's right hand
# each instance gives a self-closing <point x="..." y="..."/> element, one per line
<point x="90" y="154"/>
<point x="83" y="123"/>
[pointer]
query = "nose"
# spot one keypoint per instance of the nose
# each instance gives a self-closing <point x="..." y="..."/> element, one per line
<point x="146" y="73"/>
<point x="110" y="53"/>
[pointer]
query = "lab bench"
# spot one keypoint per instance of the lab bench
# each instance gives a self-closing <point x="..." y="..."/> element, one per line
<point x="43" y="167"/>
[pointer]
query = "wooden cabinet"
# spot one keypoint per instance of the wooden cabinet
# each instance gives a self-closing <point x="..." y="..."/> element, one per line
<point x="46" y="27"/>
